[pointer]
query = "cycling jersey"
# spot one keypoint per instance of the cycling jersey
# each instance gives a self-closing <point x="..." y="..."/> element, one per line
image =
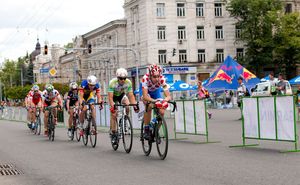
<point x="119" y="89"/>
<point x="148" y="84"/>
<point x="72" y="97"/>
<point x="87" y="93"/>
<point x="34" y="97"/>
<point x="50" y="97"/>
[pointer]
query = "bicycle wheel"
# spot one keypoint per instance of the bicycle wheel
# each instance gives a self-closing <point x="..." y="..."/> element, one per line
<point x="146" y="144"/>
<point x="161" y="137"/>
<point x="39" y="126"/>
<point x="77" y="131"/>
<point x="52" y="133"/>
<point x="49" y="127"/>
<point x="115" y="146"/>
<point x="72" y="132"/>
<point x="93" y="134"/>
<point x="85" y="136"/>
<point x="127" y="133"/>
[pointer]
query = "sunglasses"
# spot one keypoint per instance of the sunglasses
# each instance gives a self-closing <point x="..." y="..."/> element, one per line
<point x="121" y="78"/>
<point x="155" y="76"/>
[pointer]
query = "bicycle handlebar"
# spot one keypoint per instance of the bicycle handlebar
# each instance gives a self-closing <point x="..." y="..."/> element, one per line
<point x="171" y="102"/>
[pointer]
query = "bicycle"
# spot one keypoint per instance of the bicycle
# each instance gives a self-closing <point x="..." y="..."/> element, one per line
<point x="75" y="130"/>
<point x="124" y="131"/>
<point x="37" y="125"/>
<point x="158" y="133"/>
<point x="51" y="124"/>
<point x="89" y="129"/>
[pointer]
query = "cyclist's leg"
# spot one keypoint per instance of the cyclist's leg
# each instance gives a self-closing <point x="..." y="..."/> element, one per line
<point x="46" y="115"/>
<point x="71" y="112"/>
<point x="82" y="113"/>
<point x="125" y="101"/>
<point x="54" y="111"/>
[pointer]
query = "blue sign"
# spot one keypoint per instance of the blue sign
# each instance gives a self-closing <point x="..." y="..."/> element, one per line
<point x="179" y="70"/>
<point x="44" y="70"/>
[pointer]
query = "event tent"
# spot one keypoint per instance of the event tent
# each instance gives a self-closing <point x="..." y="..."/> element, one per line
<point x="226" y="76"/>
<point x="295" y="80"/>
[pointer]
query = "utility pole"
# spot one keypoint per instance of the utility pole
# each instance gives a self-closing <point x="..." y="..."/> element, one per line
<point x="22" y="80"/>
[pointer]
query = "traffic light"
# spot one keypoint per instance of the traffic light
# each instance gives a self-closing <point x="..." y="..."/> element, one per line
<point x="174" y="52"/>
<point x="46" y="50"/>
<point x="90" y="48"/>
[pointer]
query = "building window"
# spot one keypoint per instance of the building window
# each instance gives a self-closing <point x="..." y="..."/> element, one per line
<point x="160" y="9"/>
<point x="200" y="32"/>
<point x="201" y="55"/>
<point x="162" y="56"/>
<point x="239" y="53"/>
<point x="220" y="55"/>
<point x="199" y="10"/>
<point x="181" y="32"/>
<point x="238" y="32"/>
<point x="161" y="32"/>
<point x="219" y="32"/>
<point x="182" y="56"/>
<point x="218" y="9"/>
<point x="288" y="8"/>
<point x="180" y="10"/>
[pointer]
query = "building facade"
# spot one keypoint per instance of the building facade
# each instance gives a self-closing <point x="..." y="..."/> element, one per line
<point x="186" y="36"/>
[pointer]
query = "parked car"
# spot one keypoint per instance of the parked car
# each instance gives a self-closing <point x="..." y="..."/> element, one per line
<point x="264" y="89"/>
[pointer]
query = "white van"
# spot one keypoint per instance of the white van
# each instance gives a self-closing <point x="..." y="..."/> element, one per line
<point x="264" y="89"/>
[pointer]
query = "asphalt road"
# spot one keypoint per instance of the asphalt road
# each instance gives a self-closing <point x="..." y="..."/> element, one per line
<point x="68" y="162"/>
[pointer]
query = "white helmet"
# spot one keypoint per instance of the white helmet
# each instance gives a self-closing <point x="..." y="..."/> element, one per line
<point x="73" y="85"/>
<point x="121" y="72"/>
<point x="92" y="80"/>
<point x="35" y="88"/>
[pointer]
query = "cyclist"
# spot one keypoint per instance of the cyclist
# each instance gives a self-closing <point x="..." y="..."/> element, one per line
<point x="51" y="98"/>
<point x="117" y="90"/>
<point x="152" y="82"/>
<point x="72" y="100"/>
<point x="89" y="88"/>
<point x="32" y="101"/>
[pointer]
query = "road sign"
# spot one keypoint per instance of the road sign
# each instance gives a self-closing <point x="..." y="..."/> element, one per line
<point x="44" y="70"/>
<point x="52" y="71"/>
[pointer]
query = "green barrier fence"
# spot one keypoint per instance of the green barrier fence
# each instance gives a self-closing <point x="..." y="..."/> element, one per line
<point x="191" y="119"/>
<point x="269" y="118"/>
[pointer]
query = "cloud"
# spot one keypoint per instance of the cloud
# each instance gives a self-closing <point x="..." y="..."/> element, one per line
<point x="57" y="21"/>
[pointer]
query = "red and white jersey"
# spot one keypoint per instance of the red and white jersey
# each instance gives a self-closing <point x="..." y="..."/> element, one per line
<point x="148" y="84"/>
<point x="34" y="97"/>
<point x="50" y="96"/>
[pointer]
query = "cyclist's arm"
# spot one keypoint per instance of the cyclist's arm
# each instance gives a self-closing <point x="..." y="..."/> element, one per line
<point x="99" y="98"/>
<point x="131" y="98"/>
<point x="146" y="97"/>
<point x="167" y="95"/>
<point x="111" y="99"/>
<point x="68" y="104"/>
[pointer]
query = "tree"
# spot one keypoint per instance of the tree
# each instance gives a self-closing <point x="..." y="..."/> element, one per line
<point x="287" y="39"/>
<point x="256" y="19"/>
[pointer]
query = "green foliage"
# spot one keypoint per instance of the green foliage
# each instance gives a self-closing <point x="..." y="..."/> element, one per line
<point x="287" y="39"/>
<point x="256" y="18"/>
<point x="17" y="92"/>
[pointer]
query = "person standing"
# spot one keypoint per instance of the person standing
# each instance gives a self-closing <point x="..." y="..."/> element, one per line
<point x="203" y="94"/>
<point x="241" y="90"/>
<point x="281" y="90"/>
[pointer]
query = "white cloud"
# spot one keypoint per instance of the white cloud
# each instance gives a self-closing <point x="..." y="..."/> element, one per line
<point x="57" y="21"/>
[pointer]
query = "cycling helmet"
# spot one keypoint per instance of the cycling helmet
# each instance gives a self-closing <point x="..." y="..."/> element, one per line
<point x="92" y="80"/>
<point x="121" y="72"/>
<point x="49" y="87"/>
<point x="35" y="88"/>
<point x="154" y="69"/>
<point x="73" y="85"/>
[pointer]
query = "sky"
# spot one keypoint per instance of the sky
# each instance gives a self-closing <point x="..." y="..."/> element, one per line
<point x="52" y="21"/>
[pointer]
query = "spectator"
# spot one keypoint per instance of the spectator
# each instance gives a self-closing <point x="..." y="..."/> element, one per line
<point x="241" y="90"/>
<point x="281" y="90"/>
<point x="273" y="83"/>
<point x="203" y="94"/>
